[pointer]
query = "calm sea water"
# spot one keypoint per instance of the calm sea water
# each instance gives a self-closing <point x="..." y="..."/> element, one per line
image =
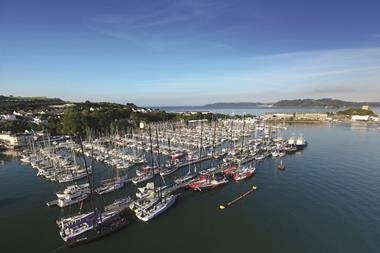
<point x="327" y="200"/>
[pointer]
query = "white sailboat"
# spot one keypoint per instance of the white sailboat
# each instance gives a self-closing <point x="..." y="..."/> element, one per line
<point x="161" y="206"/>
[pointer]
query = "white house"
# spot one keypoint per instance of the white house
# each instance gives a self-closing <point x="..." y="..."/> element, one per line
<point x="39" y="121"/>
<point x="18" y="114"/>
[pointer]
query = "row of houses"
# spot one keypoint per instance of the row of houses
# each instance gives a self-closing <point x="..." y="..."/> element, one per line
<point x="364" y="118"/>
<point x="321" y="116"/>
<point x="316" y="116"/>
<point x="33" y="118"/>
<point x="189" y="113"/>
<point x="142" y="109"/>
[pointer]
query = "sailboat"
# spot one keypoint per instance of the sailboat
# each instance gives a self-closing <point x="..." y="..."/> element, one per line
<point x="144" y="203"/>
<point x="300" y="142"/>
<point x="163" y="203"/>
<point x="208" y="182"/>
<point x="229" y="168"/>
<point x="178" y="154"/>
<point x="93" y="225"/>
<point x="161" y="206"/>
<point x="142" y="178"/>
<point x="113" y="184"/>
<point x="186" y="177"/>
<point x="169" y="169"/>
<point x="242" y="174"/>
<point x="119" y="204"/>
<point x="147" y="173"/>
<point x="143" y="192"/>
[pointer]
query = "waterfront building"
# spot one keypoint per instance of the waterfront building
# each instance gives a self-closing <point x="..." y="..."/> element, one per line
<point x="322" y="116"/>
<point x="278" y="115"/>
<point x="360" y="117"/>
<point x="365" y="107"/>
<point x="16" y="140"/>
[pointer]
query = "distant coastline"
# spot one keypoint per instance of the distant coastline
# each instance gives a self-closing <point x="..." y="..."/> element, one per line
<point x="325" y="103"/>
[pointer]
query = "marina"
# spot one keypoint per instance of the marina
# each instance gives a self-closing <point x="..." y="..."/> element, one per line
<point x="190" y="126"/>
<point x="201" y="209"/>
<point x="153" y="198"/>
<point x="229" y="147"/>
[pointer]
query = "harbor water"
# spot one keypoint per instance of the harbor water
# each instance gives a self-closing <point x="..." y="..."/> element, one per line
<point x="327" y="200"/>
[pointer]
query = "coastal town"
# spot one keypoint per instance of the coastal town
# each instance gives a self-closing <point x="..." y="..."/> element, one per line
<point x="53" y="118"/>
<point x="363" y="114"/>
<point x="182" y="126"/>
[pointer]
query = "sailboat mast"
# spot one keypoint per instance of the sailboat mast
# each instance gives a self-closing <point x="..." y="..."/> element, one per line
<point x="87" y="173"/>
<point x="201" y="141"/>
<point x="242" y="140"/>
<point x="169" y="144"/>
<point x="151" y="146"/>
<point x="158" y="150"/>
<point x="92" y="164"/>
<point x="214" y="139"/>
<point x="232" y="127"/>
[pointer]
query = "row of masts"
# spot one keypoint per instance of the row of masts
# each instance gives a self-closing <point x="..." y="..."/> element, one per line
<point x="192" y="144"/>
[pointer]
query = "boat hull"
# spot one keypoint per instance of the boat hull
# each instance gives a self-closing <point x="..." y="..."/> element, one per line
<point x="113" y="225"/>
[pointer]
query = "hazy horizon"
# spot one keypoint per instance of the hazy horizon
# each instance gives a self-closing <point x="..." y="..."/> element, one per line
<point x="177" y="53"/>
<point x="184" y="105"/>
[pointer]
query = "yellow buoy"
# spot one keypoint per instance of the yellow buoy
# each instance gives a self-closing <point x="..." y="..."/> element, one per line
<point x="221" y="207"/>
<point x="254" y="187"/>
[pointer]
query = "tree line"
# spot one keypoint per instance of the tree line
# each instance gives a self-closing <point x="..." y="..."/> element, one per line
<point x="101" y="118"/>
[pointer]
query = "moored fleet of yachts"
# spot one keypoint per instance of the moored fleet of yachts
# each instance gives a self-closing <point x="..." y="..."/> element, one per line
<point x="165" y="159"/>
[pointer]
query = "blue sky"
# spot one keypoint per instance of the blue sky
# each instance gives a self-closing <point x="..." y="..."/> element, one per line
<point x="190" y="52"/>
